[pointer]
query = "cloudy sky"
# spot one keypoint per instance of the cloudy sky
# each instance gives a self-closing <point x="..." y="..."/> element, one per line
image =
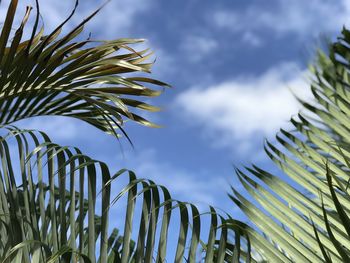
<point x="232" y="65"/>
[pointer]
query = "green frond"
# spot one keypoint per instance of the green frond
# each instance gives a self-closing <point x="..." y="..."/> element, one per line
<point x="306" y="216"/>
<point x="57" y="206"/>
<point x="59" y="74"/>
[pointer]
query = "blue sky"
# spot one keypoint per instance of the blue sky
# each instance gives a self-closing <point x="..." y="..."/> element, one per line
<point x="232" y="65"/>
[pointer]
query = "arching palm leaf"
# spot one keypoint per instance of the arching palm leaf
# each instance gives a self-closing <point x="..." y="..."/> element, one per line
<point x="56" y="74"/>
<point x="51" y="209"/>
<point x="307" y="216"/>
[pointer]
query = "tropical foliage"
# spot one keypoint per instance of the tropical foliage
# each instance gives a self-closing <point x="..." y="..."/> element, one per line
<point x="55" y="201"/>
<point x="52" y="210"/>
<point x="305" y="214"/>
<point x="60" y="75"/>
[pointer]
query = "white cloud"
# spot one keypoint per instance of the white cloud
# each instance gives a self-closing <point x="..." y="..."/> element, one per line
<point x="197" y="47"/>
<point x="60" y="128"/>
<point x="252" y="39"/>
<point x="245" y="108"/>
<point x="301" y="17"/>
<point x="116" y="19"/>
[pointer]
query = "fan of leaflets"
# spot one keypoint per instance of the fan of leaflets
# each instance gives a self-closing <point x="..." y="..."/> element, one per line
<point x="52" y="211"/>
<point x="305" y="214"/>
<point x="55" y="74"/>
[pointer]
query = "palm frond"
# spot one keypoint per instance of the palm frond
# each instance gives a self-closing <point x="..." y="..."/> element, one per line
<point x="56" y="74"/>
<point x="306" y="216"/>
<point x="52" y="210"/>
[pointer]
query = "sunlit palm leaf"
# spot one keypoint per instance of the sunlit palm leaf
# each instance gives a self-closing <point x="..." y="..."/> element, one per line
<point x="57" y="74"/>
<point x="306" y="217"/>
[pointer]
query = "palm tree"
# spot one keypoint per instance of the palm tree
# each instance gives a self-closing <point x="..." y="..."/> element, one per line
<point x="51" y="208"/>
<point x="303" y="216"/>
<point x="56" y="201"/>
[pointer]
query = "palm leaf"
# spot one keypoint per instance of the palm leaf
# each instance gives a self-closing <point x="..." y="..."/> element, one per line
<point x="306" y="215"/>
<point x="51" y="210"/>
<point x="57" y="74"/>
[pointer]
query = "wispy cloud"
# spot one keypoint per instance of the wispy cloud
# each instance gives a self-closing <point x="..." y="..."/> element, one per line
<point x="298" y="16"/>
<point x="237" y="110"/>
<point x="197" y="47"/>
<point x="252" y="39"/>
<point x="60" y="128"/>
